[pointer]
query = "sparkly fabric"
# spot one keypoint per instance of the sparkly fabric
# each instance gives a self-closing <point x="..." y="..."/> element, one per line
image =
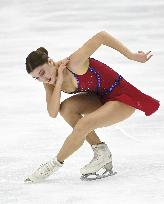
<point x="108" y="85"/>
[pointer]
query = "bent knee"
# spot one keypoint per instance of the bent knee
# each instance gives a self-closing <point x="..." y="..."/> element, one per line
<point x="84" y="126"/>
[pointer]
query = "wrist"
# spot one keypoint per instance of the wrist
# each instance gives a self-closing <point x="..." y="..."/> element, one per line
<point x="130" y="56"/>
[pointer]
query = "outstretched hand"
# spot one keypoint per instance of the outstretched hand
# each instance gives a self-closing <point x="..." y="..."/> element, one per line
<point x="141" y="56"/>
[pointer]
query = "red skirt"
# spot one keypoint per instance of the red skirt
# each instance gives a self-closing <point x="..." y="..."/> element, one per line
<point x="129" y="94"/>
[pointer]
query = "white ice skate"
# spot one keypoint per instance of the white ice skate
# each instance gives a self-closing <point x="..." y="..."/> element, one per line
<point x="44" y="171"/>
<point x="102" y="161"/>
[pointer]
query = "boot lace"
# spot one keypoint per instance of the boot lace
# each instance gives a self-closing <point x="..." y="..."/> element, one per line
<point x="45" y="168"/>
<point x="95" y="157"/>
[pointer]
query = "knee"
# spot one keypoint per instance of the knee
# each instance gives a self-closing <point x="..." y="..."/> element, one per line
<point x="83" y="126"/>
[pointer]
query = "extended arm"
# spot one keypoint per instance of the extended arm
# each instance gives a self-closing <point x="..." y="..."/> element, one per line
<point x="78" y="58"/>
<point x="102" y="38"/>
<point x="114" y="43"/>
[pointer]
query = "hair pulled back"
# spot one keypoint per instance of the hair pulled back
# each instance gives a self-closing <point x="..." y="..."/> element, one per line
<point x="36" y="58"/>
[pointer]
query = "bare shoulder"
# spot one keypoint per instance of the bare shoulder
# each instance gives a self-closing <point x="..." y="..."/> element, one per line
<point x="80" y="69"/>
<point x="77" y="68"/>
<point x="79" y="59"/>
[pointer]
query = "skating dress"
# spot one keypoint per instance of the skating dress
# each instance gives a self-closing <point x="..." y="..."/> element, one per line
<point x="108" y="85"/>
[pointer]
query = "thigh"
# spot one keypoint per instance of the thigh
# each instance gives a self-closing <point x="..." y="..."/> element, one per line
<point x="108" y="114"/>
<point x="82" y="103"/>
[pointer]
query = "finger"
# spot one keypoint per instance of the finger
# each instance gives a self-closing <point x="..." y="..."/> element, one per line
<point x="65" y="62"/>
<point x="148" y="52"/>
<point x="60" y="69"/>
<point x="63" y="67"/>
<point x="149" y="57"/>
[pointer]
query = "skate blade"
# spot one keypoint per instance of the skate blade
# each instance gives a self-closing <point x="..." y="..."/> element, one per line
<point x="94" y="176"/>
<point x="31" y="180"/>
<point x="27" y="180"/>
<point x="108" y="166"/>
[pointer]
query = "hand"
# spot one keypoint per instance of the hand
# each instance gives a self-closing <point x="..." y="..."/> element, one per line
<point x="141" y="56"/>
<point x="61" y="68"/>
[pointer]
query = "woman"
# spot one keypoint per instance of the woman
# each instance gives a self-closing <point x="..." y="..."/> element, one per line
<point x="105" y="98"/>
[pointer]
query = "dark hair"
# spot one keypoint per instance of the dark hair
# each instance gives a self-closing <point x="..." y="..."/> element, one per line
<point x="36" y="58"/>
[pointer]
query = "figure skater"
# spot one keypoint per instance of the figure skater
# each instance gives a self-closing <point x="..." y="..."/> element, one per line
<point x="102" y="98"/>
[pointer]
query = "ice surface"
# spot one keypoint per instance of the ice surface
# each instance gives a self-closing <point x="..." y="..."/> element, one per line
<point x="29" y="136"/>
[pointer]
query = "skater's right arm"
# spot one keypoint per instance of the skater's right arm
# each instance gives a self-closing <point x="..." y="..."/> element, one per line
<point x="53" y="95"/>
<point x="53" y="92"/>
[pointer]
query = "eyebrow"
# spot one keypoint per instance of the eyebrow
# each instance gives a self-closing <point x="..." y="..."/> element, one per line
<point x="37" y="77"/>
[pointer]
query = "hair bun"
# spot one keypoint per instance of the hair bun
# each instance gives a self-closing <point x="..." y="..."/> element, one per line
<point x="42" y="50"/>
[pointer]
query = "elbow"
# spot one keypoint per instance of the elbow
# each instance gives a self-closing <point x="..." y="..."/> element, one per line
<point x="102" y="32"/>
<point x="102" y="35"/>
<point x="52" y="115"/>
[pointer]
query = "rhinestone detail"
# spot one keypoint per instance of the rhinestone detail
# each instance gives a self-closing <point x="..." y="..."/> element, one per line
<point x="110" y="89"/>
<point x="93" y="70"/>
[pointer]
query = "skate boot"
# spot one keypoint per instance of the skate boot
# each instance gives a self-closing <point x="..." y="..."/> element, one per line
<point x="44" y="171"/>
<point x="102" y="160"/>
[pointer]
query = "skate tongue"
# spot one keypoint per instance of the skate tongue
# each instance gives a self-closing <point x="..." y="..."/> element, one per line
<point x="57" y="162"/>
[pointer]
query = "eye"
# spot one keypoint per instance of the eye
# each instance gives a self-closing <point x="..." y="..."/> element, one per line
<point x="42" y="72"/>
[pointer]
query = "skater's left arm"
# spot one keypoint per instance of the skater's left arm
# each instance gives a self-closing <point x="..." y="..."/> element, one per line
<point x="79" y="57"/>
<point x="87" y="49"/>
<point x="114" y="43"/>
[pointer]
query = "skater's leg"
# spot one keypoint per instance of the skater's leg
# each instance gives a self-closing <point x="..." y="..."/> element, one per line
<point x="71" y="110"/>
<point x="74" y="107"/>
<point x="108" y="114"/>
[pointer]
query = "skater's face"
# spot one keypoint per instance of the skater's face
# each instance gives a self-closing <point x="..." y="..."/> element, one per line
<point x="46" y="73"/>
